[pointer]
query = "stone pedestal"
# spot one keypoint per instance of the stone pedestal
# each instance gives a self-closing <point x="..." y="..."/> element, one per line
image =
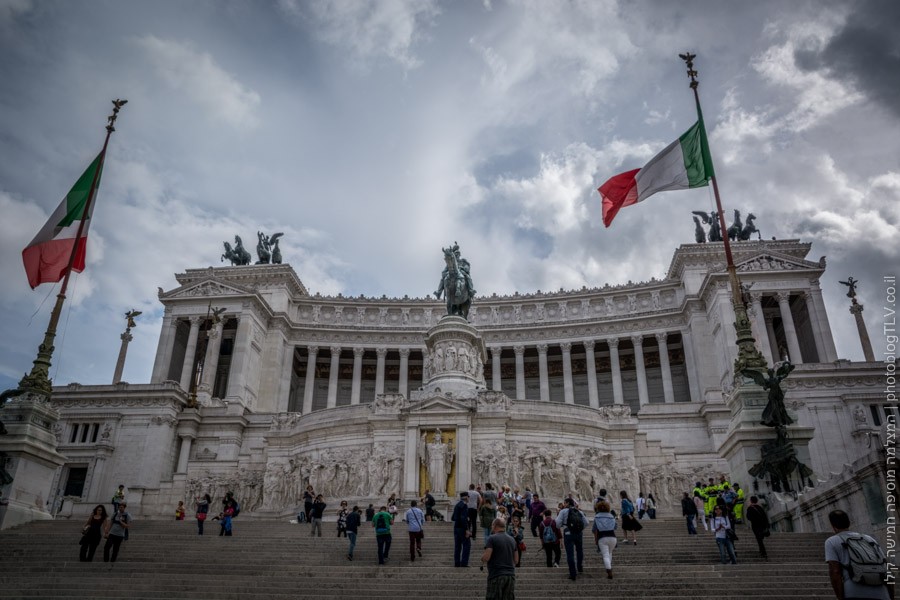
<point x="455" y="357"/>
<point x="31" y="459"/>
<point x="746" y="436"/>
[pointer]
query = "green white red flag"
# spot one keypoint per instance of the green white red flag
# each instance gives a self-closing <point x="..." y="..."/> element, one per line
<point x="47" y="257"/>
<point x="683" y="164"/>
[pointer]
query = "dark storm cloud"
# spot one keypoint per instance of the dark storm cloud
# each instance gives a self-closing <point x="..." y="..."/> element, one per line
<point x="866" y="51"/>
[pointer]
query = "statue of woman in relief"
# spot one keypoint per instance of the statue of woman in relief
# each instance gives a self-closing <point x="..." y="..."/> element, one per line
<point x="437" y="456"/>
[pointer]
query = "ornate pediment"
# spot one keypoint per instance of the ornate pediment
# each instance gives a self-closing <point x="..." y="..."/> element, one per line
<point x="209" y="288"/>
<point x="768" y="262"/>
<point x="440" y="403"/>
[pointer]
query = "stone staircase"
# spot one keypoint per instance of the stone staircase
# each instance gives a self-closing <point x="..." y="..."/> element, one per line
<point x="278" y="560"/>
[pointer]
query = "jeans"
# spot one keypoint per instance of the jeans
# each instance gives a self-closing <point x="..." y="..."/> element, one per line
<point x="316" y="526"/>
<point x="87" y="550"/>
<point x="462" y="545"/>
<point x="535" y="522"/>
<point x="473" y="520"/>
<point x="726" y="544"/>
<point x="351" y="535"/>
<point x="487" y="534"/>
<point x="692" y="529"/>
<point x="384" y="547"/>
<point x="606" y="545"/>
<point x="112" y="542"/>
<point x="574" y="547"/>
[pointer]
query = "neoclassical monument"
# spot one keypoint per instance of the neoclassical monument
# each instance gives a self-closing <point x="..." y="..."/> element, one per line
<point x="623" y="387"/>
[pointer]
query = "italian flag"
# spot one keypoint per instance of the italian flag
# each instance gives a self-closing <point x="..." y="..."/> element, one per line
<point x="683" y="164"/>
<point x="47" y="256"/>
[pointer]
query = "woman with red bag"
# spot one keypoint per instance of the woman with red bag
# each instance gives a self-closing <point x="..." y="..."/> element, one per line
<point x="202" y="510"/>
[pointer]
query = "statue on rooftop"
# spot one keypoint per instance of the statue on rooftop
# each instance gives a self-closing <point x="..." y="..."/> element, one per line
<point x="238" y="255"/>
<point x="456" y="283"/>
<point x="265" y="247"/>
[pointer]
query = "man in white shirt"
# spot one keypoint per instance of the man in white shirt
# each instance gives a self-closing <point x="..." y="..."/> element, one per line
<point x="474" y="504"/>
<point x="415" y="521"/>
<point x="573" y="531"/>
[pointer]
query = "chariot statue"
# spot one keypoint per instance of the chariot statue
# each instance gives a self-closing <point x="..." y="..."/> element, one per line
<point x="237" y="255"/>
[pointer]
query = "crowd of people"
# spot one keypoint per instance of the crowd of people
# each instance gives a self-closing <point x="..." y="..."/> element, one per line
<point x="505" y="516"/>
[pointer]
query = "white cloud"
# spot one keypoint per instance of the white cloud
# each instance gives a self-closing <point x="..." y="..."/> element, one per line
<point x="370" y="29"/>
<point x="197" y="75"/>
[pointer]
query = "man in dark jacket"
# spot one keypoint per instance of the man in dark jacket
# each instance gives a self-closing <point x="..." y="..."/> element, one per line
<point x="759" y="523"/>
<point x="537" y="514"/>
<point x="689" y="512"/>
<point x="462" y="532"/>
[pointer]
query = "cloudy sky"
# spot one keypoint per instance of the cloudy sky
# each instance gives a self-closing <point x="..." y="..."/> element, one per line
<point x="373" y="133"/>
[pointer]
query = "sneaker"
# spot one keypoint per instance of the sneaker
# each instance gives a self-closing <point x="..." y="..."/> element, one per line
<point x="349" y="557"/>
<point x="419" y="552"/>
<point x="556" y="565"/>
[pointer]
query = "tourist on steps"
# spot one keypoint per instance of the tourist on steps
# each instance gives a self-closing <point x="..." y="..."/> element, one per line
<point x="382" y="524"/>
<point x="116" y="528"/>
<point x="721" y="524"/>
<point x="342" y="519"/>
<point x="415" y="521"/>
<point x="605" y="534"/>
<point x="551" y="538"/>
<point x="759" y="523"/>
<point x="630" y="523"/>
<point x="486" y="515"/>
<point x="462" y="532"/>
<point x="536" y="513"/>
<point x="572" y="523"/>
<point x="700" y="503"/>
<point x="517" y="532"/>
<point x="500" y="555"/>
<point x="838" y="557"/>
<point x="316" y="514"/>
<point x="202" y="509"/>
<point x="689" y="512"/>
<point x="353" y="522"/>
<point x="92" y="533"/>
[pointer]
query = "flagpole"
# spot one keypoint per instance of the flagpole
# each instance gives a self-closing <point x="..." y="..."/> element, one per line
<point x="748" y="354"/>
<point x="38" y="381"/>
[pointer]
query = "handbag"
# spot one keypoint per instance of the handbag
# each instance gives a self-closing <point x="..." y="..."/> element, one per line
<point x="201" y="516"/>
<point x="767" y="533"/>
<point x="521" y="546"/>
<point x="731" y="535"/>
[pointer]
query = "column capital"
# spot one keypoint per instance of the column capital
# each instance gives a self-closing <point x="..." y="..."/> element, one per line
<point x="566" y="347"/>
<point x="662" y="338"/>
<point x="756" y="297"/>
<point x="381" y="352"/>
<point x="358" y="352"/>
<point x="637" y="340"/>
<point x="196" y="320"/>
<point x="613" y="343"/>
<point x="588" y="345"/>
<point x="404" y="352"/>
<point x="782" y="297"/>
<point x="335" y="350"/>
<point x="519" y="349"/>
<point x="542" y="348"/>
<point x="313" y="350"/>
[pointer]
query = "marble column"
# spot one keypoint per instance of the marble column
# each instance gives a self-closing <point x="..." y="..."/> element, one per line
<point x="287" y="371"/>
<point x="822" y="318"/>
<point x="380" y="354"/>
<point x="593" y="396"/>
<point x="665" y="367"/>
<point x="643" y="396"/>
<point x="773" y="341"/>
<point x="239" y="357"/>
<point x="761" y="333"/>
<point x="542" y="368"/>
<point x="333" y="376"/>
<point x="616" y="368"/>
<point x="520" y="371"/>
<point x="404" y="371"/>
<point x="568" y="386"/>
<point x="126" y="338"/>
<point x="190" y="354"/>
<point x="690" y="364"/>
<point x="790" y="332"/>
<point x="184" y="455"/>
<point x="310" y="385"/>
<point x="411" y="462"/>
<point x="496" y="372"/>
<point x="357" y="374"/>
<point x="164" y="348"/>
<point x="211" y="361"/>
<point x="814" y="325"/>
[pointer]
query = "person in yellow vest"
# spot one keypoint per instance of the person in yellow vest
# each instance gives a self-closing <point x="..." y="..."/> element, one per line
<point x="710" y="493"/>
<point x="723" y="483"/>
<point x="739" y="503"/>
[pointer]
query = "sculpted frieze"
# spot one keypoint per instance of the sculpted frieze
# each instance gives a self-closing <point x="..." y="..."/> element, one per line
<point x="385" y="404"/>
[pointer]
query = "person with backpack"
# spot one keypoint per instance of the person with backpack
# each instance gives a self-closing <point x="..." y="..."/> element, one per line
<point x="630" y="523"/>
<point x="353" y="522"/>
<point x="115" y="532"/>
<point x="550" y="539"/>
<point x="857" y="565"/>
<point x="605" y="534"/>
<point x="572" y="523"/>
<point x="382" y="524"/>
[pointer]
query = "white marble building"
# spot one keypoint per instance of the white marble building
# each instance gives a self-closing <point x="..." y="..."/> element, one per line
<point x="623" y="387"/>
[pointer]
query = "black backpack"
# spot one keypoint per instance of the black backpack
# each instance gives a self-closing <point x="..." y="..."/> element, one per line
<point x="574" y="520"/>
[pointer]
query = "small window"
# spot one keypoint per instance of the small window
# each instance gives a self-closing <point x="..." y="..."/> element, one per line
<point x="876" y="414"/>
<point x="74" y="437"/>
<point x="75" y="481"/>
<point x="85" y="430"/>
<point x="95" y="429"/>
